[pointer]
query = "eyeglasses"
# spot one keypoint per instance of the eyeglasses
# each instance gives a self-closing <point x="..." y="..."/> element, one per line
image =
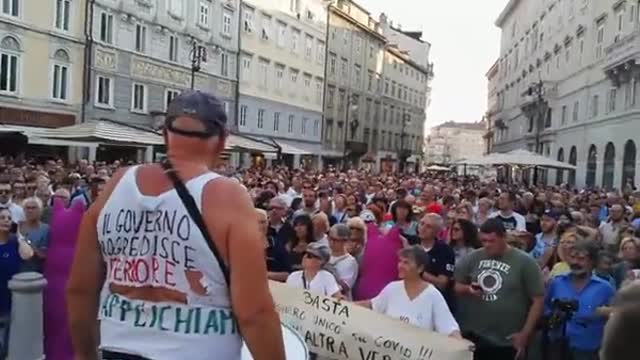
<point x="311" y="256"/>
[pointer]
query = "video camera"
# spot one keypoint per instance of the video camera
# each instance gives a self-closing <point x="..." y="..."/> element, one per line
<point x="562" y="310"/>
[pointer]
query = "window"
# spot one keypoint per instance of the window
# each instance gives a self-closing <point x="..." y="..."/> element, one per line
<point x="10" y="7"/>
<point x="106" y="28"/>
<point x="628" y="88"/>
<point x="60" y="74"/>
<point x="563" y="118"/>
<point x="279" y="76"/>
<point x="62" y="14"/>
<point x="358" y="44"/>
<point x="243" y="115"/>
<point x="294" y="6"/>
<point x="246" y="69"/>
<point x="266" y="26"/>
<point x="594" y="106"/>
<point x="576" y="111"/>
<point x="276" y="121"/>
<point x="138" y="98"/>
<point x="332" y="64"/>
<point x="141" y="38"/>
<point x="282" y="34"/>
<point x="567" y="54"/>
<point x="357" y="75"/>
<point x="331" y="92"/>
<point x="176" y="7"/>
<point x="226" y="24"/>
<point x="370" y="80"/>
<point x="224" y="63"/>
<point x="599" y="41"/>
<point x="225" y="105"/>
<point x="612" y="100"/>
<point x="345" y="70"/>
<point x="263" y="73"/>
<point x="319" y="91"/>
<point x="307" y="85"/>
<point x="320" y="52"/>
<point x="104" y="93"/>
<point x="632" y="13"/>
<point x="203" y="13"/>
<point x="294" y="76"/>
<point x="248" y="20"/>
<point x="290" y="124"/>
<point x="620" y="25"/>
<point x="260" y="118"/>
<point x="295" y="37"/>
<point x="173" y="48"/>
<point x="308" y="46"/>
<point x="169" y="95"/>
<point x="9" y="71"/>
<point x="316" y="127"/>
<point x="303" y="129"/>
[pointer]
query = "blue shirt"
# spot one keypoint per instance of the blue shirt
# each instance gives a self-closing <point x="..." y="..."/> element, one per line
<point x="585" y="329"/>
<point x="10" y="262"/>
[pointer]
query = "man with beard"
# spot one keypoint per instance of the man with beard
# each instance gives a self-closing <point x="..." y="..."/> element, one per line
<point x="584" y="329"/>
<point x="509" y="218"/>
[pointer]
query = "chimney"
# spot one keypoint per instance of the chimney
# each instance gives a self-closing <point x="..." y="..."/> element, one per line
<point x="382" y="19"/>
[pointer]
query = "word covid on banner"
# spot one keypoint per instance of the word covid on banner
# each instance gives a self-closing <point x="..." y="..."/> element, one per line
<point x="341" y="330"/>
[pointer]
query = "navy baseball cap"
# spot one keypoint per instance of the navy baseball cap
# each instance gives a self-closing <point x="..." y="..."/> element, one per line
<point x="198" y="105"/>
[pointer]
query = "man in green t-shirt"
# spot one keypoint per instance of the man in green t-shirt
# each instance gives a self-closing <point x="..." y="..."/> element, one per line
<point x="501" y="294"/>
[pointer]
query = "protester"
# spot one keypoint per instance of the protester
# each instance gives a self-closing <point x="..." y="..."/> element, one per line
<point x="313" y="276"/>
<point x="345" y="265"/>
<point x="278" y="267"/>
<point x="413" y="300"/>
<point x="510" y="219"/>
<point x="35" y="232"/>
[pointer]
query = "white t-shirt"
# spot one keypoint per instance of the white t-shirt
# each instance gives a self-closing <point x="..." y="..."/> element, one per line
<point x="347" y="270"/>
<point x="514" y="221"/>
<point x="323" y="283"/>
<point x="428" y="310"/>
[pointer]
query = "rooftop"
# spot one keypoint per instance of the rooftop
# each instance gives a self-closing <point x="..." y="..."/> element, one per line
<point x="462" y="125"/>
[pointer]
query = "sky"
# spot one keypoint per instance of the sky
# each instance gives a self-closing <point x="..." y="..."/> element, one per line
<point x="464" y="44"/>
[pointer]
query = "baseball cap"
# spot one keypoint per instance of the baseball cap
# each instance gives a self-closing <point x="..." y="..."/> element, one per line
<point x="198" y="105"/>
<point x="319" y="250"/>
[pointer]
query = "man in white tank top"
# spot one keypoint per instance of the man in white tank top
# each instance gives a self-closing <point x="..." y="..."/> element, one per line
<point x="159" y="288"/>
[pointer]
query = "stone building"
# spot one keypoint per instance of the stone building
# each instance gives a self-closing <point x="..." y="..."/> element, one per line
<point x="453" y="141"/>
<point x="567" y="87"/>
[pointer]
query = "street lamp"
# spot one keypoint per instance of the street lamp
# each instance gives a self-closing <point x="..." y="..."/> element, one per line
<point x="406" y="121"/>
<point x="198" y="54"/>
<point x="351" y="106"/>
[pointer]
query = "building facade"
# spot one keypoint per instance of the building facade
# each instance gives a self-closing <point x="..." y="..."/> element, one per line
<point x="453" y="141"/>
<point x="376" y="93"/>
<point x="492" y="107"/>
<point x="282" y="75"/>
<point x="142" y="53"/>
<point x="568" y="84"/>
<point x="41" y="62"/>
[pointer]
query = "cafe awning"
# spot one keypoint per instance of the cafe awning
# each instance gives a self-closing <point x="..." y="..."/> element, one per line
<point x="239" y="142"/>
<point x="31" y="133"/>
<point x="103" y="132"/>
<point x="517" y="157"/>
<point x="298" y="147"/>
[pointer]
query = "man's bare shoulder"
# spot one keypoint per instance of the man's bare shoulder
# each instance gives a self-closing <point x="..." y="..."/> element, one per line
<point x="227" y="193"/>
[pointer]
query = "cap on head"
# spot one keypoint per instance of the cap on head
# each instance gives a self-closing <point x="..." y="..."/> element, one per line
<point x="319" y="250"/>
<point x="197" y="105"/>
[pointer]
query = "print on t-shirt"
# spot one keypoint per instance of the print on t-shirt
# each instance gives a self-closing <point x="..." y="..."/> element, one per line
<point x="510" y="223"/>
<point x="490" y="278"/>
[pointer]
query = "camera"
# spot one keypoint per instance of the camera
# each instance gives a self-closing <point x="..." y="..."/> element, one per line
<point x="562" y="310"/>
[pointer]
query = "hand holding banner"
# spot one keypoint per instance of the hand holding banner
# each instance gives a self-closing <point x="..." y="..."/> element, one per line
<point x="342" y="330"/>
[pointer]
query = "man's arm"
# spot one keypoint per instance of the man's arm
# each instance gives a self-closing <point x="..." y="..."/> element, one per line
<point x="86" y="280"/>
<point x="251" y="299"/>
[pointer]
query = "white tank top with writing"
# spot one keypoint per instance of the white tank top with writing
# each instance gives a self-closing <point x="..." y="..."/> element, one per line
<point x="151" y="242"/>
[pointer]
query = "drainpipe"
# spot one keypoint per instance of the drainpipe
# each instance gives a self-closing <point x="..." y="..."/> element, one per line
<point x="88" y="57"/>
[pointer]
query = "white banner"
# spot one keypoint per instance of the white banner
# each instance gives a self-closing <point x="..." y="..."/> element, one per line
<point x="342" y="330"/>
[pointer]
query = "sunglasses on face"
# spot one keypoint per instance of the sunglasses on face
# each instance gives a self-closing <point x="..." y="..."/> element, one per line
<point x="311" y="256"/>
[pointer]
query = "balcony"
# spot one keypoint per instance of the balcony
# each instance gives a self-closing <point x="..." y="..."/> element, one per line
<point x="622" y="58"/>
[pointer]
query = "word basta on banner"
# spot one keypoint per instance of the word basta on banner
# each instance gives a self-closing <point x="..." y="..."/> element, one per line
<point x="342" y="330"/>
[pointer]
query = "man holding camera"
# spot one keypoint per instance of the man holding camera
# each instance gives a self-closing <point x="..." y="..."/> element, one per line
<point x="574" y="326"/>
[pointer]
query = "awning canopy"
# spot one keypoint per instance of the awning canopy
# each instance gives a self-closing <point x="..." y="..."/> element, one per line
<point x="298" y="148"/>
<point x="239" y="142"/>
<point x="517" y="157"/>
<point x="438" y="168"/>
<point x="104" y="132"/>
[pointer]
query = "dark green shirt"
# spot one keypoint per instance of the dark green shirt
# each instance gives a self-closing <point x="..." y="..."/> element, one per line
<point x="509" y="283"/>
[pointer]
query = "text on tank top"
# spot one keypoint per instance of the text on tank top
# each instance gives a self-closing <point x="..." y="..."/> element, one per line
<point x="151" y="244"/>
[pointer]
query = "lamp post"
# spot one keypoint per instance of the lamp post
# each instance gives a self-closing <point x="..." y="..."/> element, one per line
<point x="351" y="106"/>
<point x="198" y="54"/>
<point x="406" y="121"/>
<point x="537" y="118"/>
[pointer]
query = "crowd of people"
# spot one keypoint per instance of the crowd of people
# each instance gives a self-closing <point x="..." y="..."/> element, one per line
<point x="522" y="272"/>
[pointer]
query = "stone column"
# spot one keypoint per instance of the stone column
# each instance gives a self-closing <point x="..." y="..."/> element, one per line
<point x="26" y="332"/>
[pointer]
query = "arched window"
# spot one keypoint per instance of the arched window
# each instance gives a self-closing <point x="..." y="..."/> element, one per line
<point x="573" y="160"/>
<point x="592" y="165"/>
<point x="560" y="172"/>
<point x="629" y="164"/>
<point x="9" y="65"/>
<point x="60" y="75"/>
<point x="609" y="166"/>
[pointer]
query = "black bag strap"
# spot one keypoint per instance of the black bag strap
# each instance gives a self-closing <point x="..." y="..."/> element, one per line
<point x="190" y="204"/>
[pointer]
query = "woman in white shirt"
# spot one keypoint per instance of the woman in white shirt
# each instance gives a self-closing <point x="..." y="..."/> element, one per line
<point x="312" y="277"/>
<point x="413" y="300"/>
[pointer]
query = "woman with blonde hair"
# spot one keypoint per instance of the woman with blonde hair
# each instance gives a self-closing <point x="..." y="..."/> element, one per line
<point x="630" y="256"/>
<point x="567" y="241"/>
<point x="358" y="238"/>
